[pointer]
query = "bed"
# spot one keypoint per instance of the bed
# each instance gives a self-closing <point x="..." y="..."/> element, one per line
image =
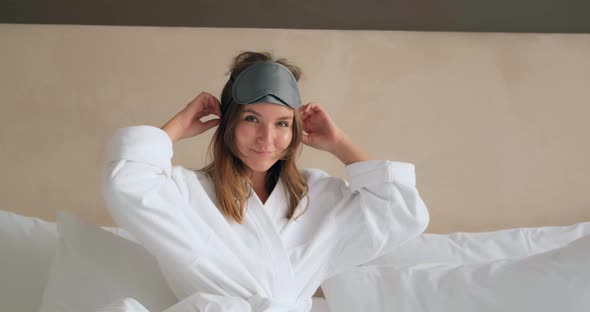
<point x="73" y="265"/>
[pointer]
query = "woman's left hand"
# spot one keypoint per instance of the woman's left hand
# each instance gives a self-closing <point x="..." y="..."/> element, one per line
<point x="322" y="132"/>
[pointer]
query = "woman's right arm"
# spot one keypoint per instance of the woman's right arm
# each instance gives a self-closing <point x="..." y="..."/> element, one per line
<point x="187" y="123"/>
<point x="146" y="195"/>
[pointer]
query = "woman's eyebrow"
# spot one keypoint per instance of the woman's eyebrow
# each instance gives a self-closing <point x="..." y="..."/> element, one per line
<point x="248" y="110"/>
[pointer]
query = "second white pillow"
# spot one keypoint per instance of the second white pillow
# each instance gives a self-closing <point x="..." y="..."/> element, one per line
<point x="93" y="268"/>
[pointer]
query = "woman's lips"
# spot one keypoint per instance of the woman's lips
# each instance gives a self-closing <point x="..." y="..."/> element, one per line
<point x="263" y="154"/>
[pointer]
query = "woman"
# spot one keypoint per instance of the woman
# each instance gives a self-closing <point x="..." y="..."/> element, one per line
<point x="251" y="232"/>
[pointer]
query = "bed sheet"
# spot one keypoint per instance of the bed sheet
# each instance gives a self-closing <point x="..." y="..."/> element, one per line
<point x="131" y="305"/>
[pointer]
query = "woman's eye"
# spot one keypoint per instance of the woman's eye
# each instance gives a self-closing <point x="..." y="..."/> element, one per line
<point x="283" y="124"/>
<point x="251" y="118"/>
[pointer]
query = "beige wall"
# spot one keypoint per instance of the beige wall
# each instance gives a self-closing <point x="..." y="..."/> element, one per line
<point x="496" y="124"/>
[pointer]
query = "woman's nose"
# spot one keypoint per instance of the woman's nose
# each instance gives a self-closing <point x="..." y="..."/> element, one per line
<point x="265" y="134"/>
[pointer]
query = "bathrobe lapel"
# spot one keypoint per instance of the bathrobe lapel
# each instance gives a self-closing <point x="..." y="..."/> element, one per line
<point x="251" y="254"/>
<point x="268" y="220"/>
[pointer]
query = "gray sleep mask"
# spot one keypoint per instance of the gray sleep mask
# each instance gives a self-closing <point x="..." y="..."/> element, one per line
<point x="266" y="82"/>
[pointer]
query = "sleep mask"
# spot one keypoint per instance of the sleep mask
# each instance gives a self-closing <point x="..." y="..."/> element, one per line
<point x="266" y="82"/>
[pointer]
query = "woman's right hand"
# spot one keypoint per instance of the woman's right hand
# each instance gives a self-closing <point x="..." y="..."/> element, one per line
<point x="187" y="123"/>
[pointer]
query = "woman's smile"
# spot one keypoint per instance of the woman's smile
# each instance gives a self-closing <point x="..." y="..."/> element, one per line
<point x="263" y="154"/>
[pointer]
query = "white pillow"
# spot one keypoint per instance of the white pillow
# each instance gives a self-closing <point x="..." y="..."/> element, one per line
<point x="464" y="248"/>
<point x="124" y="305"/>
<point x="27" y="246"/>
<point x="93" y="268"/>
<point x="556" y="280"/>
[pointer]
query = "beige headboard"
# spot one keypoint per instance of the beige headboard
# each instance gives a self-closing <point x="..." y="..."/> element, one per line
<point x="496" y="124"/>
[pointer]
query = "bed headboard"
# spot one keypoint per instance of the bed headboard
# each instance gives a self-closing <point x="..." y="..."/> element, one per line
<point x="496" y="124"/>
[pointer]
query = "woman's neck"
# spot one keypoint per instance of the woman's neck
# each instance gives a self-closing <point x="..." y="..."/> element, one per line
<point x="258" y="180"/>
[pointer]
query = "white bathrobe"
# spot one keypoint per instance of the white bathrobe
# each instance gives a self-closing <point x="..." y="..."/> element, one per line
<point x="268" y="263"/>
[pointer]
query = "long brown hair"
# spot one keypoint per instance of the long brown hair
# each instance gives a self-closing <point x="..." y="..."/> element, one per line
<point x="229" y="173"/>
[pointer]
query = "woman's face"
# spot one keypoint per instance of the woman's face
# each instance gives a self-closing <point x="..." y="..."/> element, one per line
<point x="263" y="132"/>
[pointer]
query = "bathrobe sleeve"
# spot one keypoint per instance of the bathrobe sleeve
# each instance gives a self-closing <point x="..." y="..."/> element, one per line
<point x="374" y="212"/>
<point x="147" y="196"/>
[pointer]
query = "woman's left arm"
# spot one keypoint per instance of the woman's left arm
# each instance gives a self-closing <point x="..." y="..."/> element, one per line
<point x="322" y="133"/>
<point x="376" y="210"/>
<point x="348" y="152"/>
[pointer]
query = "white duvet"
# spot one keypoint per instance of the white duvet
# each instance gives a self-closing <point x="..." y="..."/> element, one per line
<point x="555" y="280"/>
<point x="197" y="304"/>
